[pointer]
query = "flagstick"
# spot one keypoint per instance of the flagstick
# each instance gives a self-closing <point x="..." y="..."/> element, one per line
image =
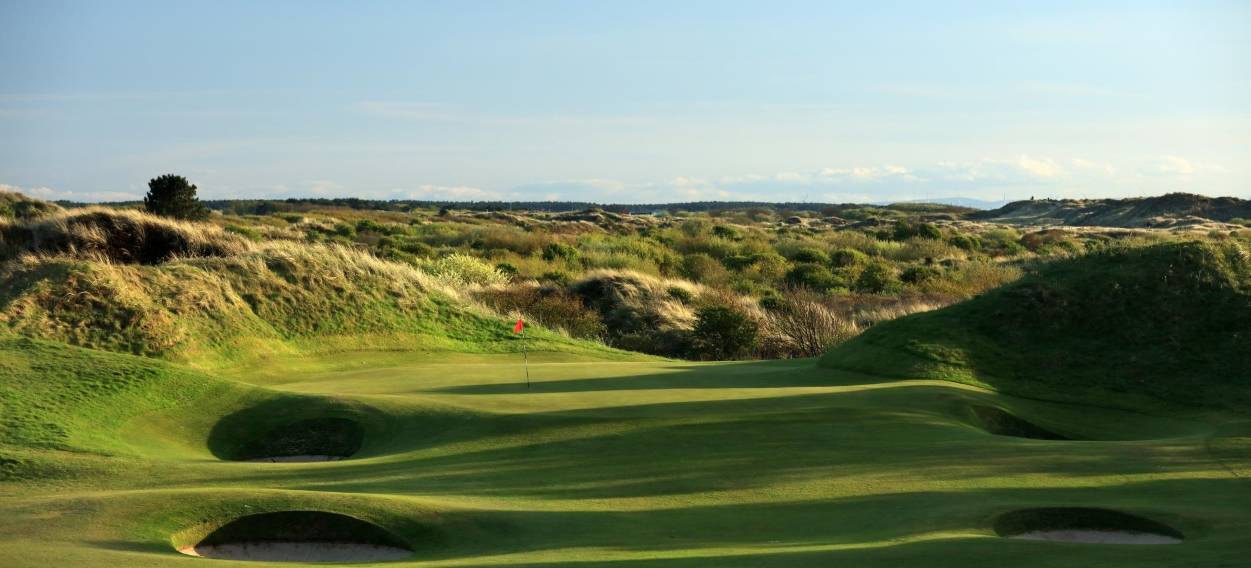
<point x="526" y="354"/>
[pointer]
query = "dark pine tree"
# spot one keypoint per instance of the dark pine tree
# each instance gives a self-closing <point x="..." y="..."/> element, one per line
<point x="173" y="196"/>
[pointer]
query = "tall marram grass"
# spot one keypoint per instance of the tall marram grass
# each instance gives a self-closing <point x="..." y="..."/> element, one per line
<point x="121" y="236"/>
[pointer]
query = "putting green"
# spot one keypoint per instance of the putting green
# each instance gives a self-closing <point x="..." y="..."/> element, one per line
<point x="627" y="463"/>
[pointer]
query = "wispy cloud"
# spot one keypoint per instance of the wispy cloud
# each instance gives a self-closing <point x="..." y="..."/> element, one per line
<point x="50" y="194"/>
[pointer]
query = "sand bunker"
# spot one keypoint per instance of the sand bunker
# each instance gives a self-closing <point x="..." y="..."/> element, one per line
<point x="1003" y="423"/>
<point x="300" y="536"/>
<point x="1084" y="525"/>
<point x="1099" y="537"/>
<point x="298" y="552"/>
<point x="296" y="459"/>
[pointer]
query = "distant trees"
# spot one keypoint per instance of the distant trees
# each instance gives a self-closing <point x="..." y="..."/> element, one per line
<point x="173" y="196"/>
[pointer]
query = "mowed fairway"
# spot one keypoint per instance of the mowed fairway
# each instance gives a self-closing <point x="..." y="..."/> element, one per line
<point x="650" y="463"/>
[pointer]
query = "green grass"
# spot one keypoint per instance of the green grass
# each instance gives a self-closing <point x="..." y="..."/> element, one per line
<point x="1134" y="328"/>
<point x="111" y="459"/>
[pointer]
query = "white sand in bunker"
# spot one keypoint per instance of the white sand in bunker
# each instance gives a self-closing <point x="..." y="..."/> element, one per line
<point x="1099" y="537"/>
<point x="297" y="459"/>
<point x="276" y="551"/>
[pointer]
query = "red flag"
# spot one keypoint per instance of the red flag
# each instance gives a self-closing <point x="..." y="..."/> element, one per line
<point x="520" y="324"/>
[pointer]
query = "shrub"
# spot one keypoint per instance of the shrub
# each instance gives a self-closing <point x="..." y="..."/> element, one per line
<point x="462" y="269"/>
<point x="173" y="196"/>
<point x="844" y="257"/>
<point x="704" y="269"/>
<point x="877" y="278"/>
<point x="809" y="254"/>
<point x="800" y="325"/>
<point x="559" y="251"/>
<point x="694" y="227"/>
<point x="918" y="274"/>
<point x="507" y="269"/>
<point x="680" y="294"/>
<point x="967" y="242"/>
<point x="726" y="232"/>
<point x="344" y="230"/>
<point x="722" y="332"/>
<point x="813" y="276"/>
<point x="555" y="276"/>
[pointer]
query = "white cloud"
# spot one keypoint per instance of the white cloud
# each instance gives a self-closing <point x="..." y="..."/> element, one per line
<point x="322" y="187"/>
<point x="448" y="193"/>
<point x="1095" y="167"/>
<point x="1179" y="167"/>
<point x="50" y="194"/>
<point x="1044" y="167"/>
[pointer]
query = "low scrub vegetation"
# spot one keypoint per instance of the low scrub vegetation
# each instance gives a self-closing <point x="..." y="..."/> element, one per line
<point x="740" y="283"/>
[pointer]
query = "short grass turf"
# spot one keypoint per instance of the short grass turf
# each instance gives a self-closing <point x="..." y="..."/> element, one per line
<point x="114" y="460"/>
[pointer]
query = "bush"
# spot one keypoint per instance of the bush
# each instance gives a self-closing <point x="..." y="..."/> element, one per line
<point x="559" y="251"/>
<point x="809" y="254"/>
<point x="368" y="225"/>
<point x="800" y="325"/>
<point x="722" y="332"/>
<point x="704" y="269"/>
<point x="507" y="269"/>
<point x="812" y="276"/>
<point x="845" y="257"/>
<point x="877" y="278"/>
<point x="967" y="242"/>
<point x="556" y="277"/>
<point x="462" y="269"/>
<point x="345" y="230"/>
<point x="173" y="196"/>
<point x="918" y="275"/>
<point x="680" y="294"/>
<point x="726" y="232"/>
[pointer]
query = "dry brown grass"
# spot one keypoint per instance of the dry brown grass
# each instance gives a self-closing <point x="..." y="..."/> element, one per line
<point x="118" y="236"/>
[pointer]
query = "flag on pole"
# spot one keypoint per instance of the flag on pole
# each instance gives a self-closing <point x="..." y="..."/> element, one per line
<point x="521" y="325"/>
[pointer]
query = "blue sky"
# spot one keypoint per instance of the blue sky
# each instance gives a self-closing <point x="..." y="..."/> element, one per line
<point x="627" y="101"/>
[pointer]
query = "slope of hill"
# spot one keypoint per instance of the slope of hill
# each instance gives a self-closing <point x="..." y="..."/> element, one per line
<point x="1167" y="322"/>
<point x="19" y="206"/>
<point x="129" y="282"/>
<point x="1171" y="210"/>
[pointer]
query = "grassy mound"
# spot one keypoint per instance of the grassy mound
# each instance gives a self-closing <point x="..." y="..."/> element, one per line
<point x="19" y="206"/>
<point x="117" y="236"/>
<point x="130" y="282"/>
<point x="57" y="397"/>
<point x="1167" y="322"/>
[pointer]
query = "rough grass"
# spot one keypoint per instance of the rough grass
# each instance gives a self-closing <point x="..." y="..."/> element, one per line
<point x="18" y="206"/>
<point x="1167" y="322"/>
<point x="134" y="283"/>
<point x="117" y="236"/>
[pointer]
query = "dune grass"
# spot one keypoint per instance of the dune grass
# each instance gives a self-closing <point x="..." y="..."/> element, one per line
<point x="1165" y="324"/>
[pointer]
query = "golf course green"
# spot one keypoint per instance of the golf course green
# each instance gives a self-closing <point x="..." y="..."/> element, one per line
<point x="1015" y="429"/>
<point x="647" y="463"/>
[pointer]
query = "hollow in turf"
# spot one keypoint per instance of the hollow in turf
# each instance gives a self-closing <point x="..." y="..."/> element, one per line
<point x="1084" y="525"/>
<point x="1003" y="423"/>
<point x="300" y="536"/>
